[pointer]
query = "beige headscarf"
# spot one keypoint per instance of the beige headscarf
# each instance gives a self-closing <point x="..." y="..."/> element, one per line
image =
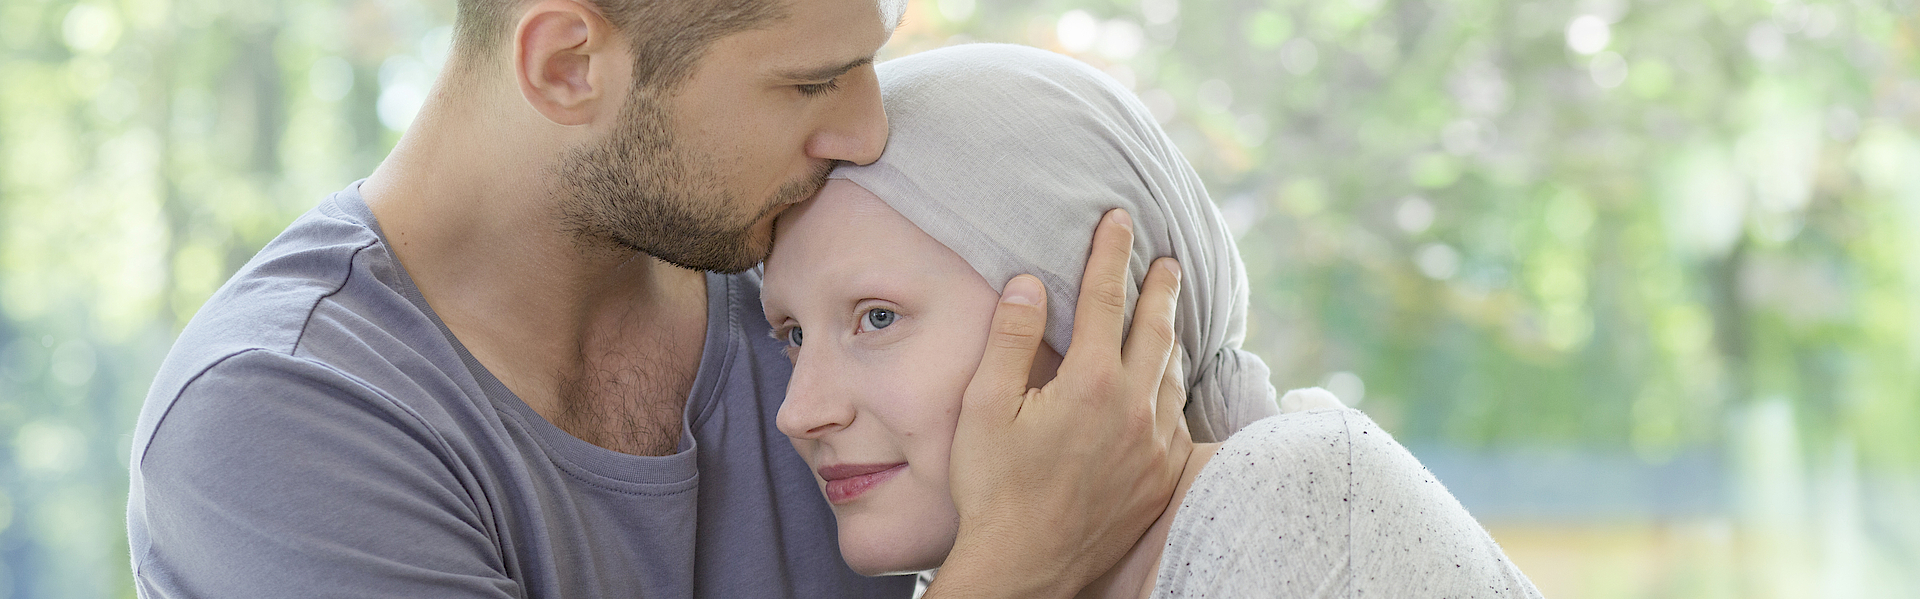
<point x="1009" y="155"/>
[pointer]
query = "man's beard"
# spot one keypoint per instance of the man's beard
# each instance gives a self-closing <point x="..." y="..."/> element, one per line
<point x="638" y="190"/>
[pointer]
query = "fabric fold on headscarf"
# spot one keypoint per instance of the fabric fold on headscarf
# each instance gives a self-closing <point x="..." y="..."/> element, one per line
<point x="1009" y="155"/>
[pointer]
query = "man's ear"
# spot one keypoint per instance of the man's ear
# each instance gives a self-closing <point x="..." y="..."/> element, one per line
<point x="568" y="61"/>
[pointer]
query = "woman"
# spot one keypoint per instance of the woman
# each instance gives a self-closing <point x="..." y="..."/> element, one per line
<point x="884" y="284"/>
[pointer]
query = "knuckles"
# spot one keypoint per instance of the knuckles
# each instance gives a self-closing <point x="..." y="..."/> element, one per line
<point x="1160" y="329"/>
<point x="1164" y="282"/>
<point x="1015" y="333"/>
<point x="1100" y="379"/>
<point x="1108" y="289"/>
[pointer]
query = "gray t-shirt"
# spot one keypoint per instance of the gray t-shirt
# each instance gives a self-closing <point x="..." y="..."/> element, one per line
<point x="1324" y="504"/>
<point x="317" y="431"/>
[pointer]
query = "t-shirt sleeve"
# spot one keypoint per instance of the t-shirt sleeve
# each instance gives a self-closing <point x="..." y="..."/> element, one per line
<point x="273" y="476"/>
<point x="1325" y="504"/>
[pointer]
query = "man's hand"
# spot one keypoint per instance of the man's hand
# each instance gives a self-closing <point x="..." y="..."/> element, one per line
<point x="1054" y="485"/>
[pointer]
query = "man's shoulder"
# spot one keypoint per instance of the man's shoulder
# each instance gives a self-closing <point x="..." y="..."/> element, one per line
<point x="327" y="279"/>
<point x="268" y="301"/>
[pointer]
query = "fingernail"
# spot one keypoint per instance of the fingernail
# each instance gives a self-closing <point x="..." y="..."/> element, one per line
<point x="1120" y="217"/>
<point x="1172" y="266"/>
<point x="1023" y="290"/>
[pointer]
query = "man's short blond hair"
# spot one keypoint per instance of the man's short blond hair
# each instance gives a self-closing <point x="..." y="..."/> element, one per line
<point x="667" y="36"/>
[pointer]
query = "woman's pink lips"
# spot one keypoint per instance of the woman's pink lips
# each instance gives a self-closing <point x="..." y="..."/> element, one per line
<point x="848" y="481"/>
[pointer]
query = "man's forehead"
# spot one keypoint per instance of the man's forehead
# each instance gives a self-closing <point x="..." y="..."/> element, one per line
<point x="821" y="39"/>
<point x="892" y="12"/>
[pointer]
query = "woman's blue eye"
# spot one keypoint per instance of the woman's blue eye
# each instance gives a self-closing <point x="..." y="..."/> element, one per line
<point x="793" y="337"/>
<point x="880" y="318"/>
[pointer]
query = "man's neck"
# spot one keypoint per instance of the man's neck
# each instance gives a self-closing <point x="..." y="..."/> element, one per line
<point x="1133" y="577"/>
<point x="601" y="341"/>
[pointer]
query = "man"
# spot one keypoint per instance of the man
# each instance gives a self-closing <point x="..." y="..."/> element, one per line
<point x="495" y="367"/>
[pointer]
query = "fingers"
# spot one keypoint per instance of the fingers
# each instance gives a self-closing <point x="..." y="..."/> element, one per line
<point x="1169" y="404"/>
<point x="1311" y="398"/>
<point x="1152" y="337"/>
<point x="1102" y="310"/>
<point x="1019" y="322"/>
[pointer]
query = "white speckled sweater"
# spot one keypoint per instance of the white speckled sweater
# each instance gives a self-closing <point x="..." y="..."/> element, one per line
<point x="1324" y="503"/>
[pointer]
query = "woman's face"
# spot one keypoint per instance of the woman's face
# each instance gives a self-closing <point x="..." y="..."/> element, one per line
<point x="885" y="326"/>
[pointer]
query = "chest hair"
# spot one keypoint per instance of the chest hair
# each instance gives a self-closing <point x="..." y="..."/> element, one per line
<point x="629" y="396"/>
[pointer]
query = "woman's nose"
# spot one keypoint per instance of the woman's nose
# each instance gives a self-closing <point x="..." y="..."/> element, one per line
<point x="816" y="403"/>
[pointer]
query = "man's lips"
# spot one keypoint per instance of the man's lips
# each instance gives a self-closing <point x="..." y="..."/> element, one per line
<point x="848" y="481"/>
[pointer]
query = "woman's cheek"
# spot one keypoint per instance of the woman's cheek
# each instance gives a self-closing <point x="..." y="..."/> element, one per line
<point x="806" y="448"/>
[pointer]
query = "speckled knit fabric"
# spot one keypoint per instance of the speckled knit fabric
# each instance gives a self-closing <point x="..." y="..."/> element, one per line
<point x="1326" y="504"/>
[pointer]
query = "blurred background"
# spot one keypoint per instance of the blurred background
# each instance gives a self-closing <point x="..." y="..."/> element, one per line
<point x="1639" y="281"/>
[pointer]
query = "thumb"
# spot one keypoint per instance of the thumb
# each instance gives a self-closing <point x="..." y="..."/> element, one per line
<point x="999" y="386"/>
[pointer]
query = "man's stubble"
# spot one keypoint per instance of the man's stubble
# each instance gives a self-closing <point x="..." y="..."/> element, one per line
<point x="642" y="191"/>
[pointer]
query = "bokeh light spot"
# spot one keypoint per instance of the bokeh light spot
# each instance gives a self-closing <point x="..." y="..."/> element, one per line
<point x="1077" y="31"/>
<point x="1588" y="34"/>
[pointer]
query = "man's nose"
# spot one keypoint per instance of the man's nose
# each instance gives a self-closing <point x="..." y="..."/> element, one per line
<point x="816" y="404"/>
<point x="855" y="128"/>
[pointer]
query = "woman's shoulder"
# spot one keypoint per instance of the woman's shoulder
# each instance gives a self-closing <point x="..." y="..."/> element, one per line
<point x="1337" y="436"/>
<point x="1325" y="503"/>
<point x="1267" y="515"/>
<point x="1298" y="461"/>
<point x="1335" y="457"/>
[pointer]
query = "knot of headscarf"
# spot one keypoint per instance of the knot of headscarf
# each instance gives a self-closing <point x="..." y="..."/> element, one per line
<point x="1009" y="154"/>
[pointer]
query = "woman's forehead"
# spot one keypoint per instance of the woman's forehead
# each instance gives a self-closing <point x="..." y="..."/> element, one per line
<point x="845" y="215"/>
<point x="846" y="232"/>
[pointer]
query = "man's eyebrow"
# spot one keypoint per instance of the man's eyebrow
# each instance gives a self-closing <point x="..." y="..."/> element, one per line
<point x="826" y="72"/>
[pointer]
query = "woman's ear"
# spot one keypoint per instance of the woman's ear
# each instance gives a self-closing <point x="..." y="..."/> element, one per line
<point x="569" y="61"/>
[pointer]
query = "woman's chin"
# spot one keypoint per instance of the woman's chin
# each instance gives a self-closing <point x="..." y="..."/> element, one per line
<point x="884" y="553"/>
<point x="877" y="561"/>
<point x="885" y="569"/>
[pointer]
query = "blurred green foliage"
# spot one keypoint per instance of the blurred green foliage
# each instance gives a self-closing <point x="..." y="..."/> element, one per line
<point x="1650" y="229"/>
